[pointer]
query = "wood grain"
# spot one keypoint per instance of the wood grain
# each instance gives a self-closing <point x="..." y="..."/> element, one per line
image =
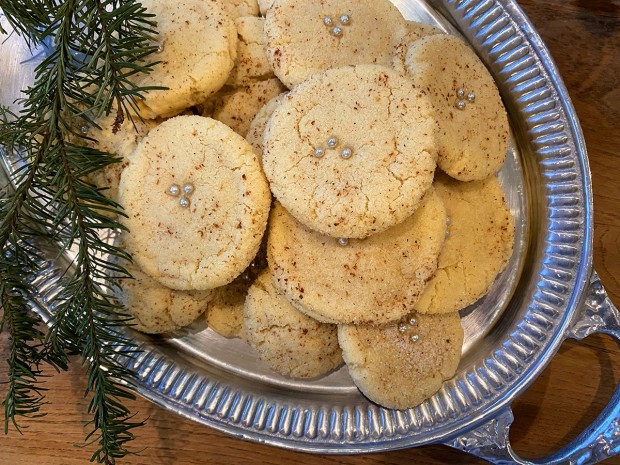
<point x="584" y="39"/>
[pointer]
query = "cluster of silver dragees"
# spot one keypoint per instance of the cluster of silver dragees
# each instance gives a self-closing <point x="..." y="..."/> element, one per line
<point x="336" y="29"/>
<point x="462" y="97"/>
<point x="332" y="143"/>
<point x="403" y="327"/>
<point x="185" y="192"/>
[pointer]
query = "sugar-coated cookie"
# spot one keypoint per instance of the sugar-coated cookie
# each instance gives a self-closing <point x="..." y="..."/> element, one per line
<point x="350" y="151"/>
<point x="290" y="342"/>
<point x="238" y="108"/>
<point x="473" y="125"/>
<point x="120" y="143"/>
<point x="479" y="244"/>
<point x="157" y="309"/>
<point x="370" y="281"/>
<point x="305" y="37"/>
<point x="400" y="365"/>
<point x="198" y="45"/>
<point x="259" y="123"/>
<point x="240" y="8"/>
<point x="224" y="313"/>
<point x="251" y="63"/>
<point x="197" y="203"/>
<point x="415" y="31"/>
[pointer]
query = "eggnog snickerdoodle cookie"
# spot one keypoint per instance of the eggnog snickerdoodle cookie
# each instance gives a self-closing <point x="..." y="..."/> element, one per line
<point x="251" y="63"/>
<point x="479" y="244"/>
<point x="224" y="313"/>
<point x="473" y="125"/>
<point x="240" y="8"/>
<point x="120" y="143"/>
<point x="198" y="45"/>
<point x="305" y="37"/>
<point x="259" y="123"/>
<point x="350" y="151"/>
<point x="290" y="342"/>
<point x="238" y="108"/>
<point x="370" y="281"/>
<point x="400" y="365"/>
<point x="415" y="31"/>
<point x="157" y="309"/>
<point x="197" y="203"/>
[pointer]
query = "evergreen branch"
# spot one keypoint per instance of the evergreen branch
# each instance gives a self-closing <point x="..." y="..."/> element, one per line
<point x="97" y="46"/>
<point x="24" y="397"/>
<point x="82" y="294"/>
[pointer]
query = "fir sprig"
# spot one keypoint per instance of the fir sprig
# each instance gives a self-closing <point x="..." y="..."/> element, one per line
<point x="24" y="396"/>
<point x="94" y="48"/>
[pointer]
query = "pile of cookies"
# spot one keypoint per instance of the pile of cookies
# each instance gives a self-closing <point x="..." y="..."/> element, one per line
<point x="379" y="140"/>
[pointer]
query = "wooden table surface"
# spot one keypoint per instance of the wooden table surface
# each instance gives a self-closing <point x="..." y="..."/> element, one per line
<point x="584" y="39"/>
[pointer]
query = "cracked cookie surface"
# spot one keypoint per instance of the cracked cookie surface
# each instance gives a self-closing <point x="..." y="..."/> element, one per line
<point x="386" y="123"/>
<point x="290" y="342"/>
<point x="299" y="43"/>
<point x="214" y="238"/>
<point x="473" y="138"/>
<point x="479" y="244"/>
<point x="251" y="63"/>
<point x="399" y="372"/>
<point x="192" y="70"/>
<point x="370" y="281"/>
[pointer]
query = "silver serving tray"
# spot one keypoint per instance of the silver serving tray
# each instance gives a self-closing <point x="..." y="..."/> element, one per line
<point x="548" y="293"/>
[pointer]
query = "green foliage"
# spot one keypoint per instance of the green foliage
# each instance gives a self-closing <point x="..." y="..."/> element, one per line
<point x="25" y="394"/>
<point x="93" y="48"/>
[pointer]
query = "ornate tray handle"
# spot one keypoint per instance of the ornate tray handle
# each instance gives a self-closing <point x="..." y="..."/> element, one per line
<point x="599" y="441"/>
